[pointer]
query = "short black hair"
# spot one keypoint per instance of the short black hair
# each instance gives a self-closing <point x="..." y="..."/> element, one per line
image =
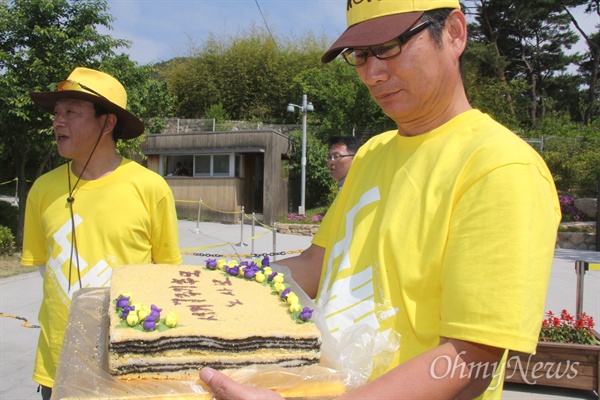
<point x="100" y="111"/>
<point x="352" y="142"/>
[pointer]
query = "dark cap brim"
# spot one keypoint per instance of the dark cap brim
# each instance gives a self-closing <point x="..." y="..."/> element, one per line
<point x="130" y="126"/>
<point x="372" y="32"/>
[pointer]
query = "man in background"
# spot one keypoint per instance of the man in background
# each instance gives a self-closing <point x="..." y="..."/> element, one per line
<point x="341" y="151"/>
<point x="97" y="211"/>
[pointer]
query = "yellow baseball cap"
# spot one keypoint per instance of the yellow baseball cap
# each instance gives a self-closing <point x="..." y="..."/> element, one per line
<point x="372" y="22"/>
<point x="96" y="87"/>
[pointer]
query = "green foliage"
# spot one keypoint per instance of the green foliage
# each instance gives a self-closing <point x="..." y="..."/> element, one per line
<point x="7" y="241"/>
<point x="9" y="216"/>
<point x="571" y="151"/>
<point x="217" y="112"/>
<point x="318" y="178"/>
<point x="247" y="73"/>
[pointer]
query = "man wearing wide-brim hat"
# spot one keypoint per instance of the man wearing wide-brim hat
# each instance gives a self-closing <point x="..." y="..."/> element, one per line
<point x="96" y="212"/>
<point x="444" y="232"/>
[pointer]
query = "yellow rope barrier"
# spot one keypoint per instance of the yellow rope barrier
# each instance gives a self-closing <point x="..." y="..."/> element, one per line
<point x="24" y="324"/>
<point x="7" y="182"/>
<point x="224" y="212"/>
<point x="594" y="267"/>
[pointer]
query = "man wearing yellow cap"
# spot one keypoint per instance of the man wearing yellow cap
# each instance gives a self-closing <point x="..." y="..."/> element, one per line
<point x="445" y="229"/>
<point x="97" y="211"/>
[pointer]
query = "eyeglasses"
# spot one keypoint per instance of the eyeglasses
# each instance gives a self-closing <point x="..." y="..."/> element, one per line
<point x="336" y="157"/>
<point x="73" y="85"/>
<point x="358" y="57"/>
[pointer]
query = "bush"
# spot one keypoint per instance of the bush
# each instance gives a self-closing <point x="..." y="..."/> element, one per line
<point x="7" y="241"/>
<point x="569" y="211"/>
<point x="9" y="216"/>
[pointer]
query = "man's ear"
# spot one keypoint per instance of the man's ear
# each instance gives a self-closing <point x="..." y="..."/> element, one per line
<point x="457" y="30"/>
<point x="110" y="124"/>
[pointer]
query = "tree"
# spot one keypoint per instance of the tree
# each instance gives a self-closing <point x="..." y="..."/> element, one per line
<point x="530" y="38"/>
<point x="42" y="41"/>
<point x="249" y="74"/>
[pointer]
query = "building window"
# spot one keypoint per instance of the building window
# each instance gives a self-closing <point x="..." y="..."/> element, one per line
<point x="203" y="165"/>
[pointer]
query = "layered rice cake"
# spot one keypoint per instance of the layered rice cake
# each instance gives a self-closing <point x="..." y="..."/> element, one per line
<point x="168" y="321"/>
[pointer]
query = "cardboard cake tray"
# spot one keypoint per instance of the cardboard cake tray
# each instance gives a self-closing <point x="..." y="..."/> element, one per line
<point x="82" y="371"/>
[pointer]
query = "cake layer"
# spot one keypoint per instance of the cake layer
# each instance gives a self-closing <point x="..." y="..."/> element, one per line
<point x="201" y="344"/>
<point x="188" y="367"/>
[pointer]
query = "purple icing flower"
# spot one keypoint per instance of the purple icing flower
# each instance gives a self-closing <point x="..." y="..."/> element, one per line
<point x="273" y="275"/>
<point x="126" y="310"/>
<point x="243" y="264"/>
<point x="149" y="323"/>
<point x="122" y="301"/>
<point x="233" y="270"/>
<point x="285" y="293"/>
<point x="249" y="273"/>
<point x="266" y="262"/>
<point x="211" y="263"/>
<point x="305" y="314"/>
<point x="154" y="313"/>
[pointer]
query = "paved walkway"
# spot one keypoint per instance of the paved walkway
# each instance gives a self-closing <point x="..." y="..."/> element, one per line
<point x="20" y="296"/>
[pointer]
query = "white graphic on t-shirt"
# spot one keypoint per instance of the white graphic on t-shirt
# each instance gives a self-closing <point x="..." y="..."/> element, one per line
<point x="98" y="276"/>
<point x="350" y="300"/>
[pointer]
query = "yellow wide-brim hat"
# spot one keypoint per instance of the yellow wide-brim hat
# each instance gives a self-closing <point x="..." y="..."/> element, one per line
<point x="373" y="22"/>
<point x="99" y="88"/>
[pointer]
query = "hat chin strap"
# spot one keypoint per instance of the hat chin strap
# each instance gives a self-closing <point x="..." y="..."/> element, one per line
<point x="70" y="200"/>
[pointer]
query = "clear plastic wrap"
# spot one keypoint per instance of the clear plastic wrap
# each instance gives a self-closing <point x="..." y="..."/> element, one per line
<point x="82" y="371"/>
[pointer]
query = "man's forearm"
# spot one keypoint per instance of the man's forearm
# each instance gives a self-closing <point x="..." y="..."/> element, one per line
<point x="453" y="370"/>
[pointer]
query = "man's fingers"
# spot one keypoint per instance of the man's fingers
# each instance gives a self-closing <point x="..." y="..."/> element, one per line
<point x="226" y="388"/>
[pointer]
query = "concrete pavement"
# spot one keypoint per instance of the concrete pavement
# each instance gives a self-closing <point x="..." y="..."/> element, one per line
<point x="21" y="295"/>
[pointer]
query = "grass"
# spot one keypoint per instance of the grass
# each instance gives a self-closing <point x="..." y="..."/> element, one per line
<point x="10" y="266"/>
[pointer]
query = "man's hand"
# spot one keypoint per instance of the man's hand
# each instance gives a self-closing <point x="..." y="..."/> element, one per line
<point x="226" y="388"/>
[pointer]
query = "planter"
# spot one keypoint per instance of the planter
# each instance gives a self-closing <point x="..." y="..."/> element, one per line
<point x="566" y="365"/>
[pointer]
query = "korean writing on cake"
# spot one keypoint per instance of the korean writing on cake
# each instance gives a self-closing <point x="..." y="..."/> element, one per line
<point x="185" y="293"/>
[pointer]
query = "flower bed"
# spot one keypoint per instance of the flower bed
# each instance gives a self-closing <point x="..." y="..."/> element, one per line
<point x="567" y="355"/>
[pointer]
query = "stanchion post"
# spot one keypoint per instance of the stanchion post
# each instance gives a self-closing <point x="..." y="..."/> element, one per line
<point x="252" y="245"/>
<point x="199" y="213"/>
<point x="580" y="268"/>
<point x="274" y="241"/>
<point x="241" y="243"/>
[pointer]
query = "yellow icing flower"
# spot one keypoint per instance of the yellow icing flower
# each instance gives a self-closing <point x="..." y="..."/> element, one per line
<point x="292" y="298"/>
<point x="278" y="278"/>
<point x="132" y="319"/>
<point x="267" y="271"/>
<point x="143" y="312"/>
<point x="295" y="307"/>
<point x="233" y="263"/>
<point x="258" y="262"/>
<point x="260" y="277"/>
<point x="172" y="319"/>
<point x="279" y="287"/>
<point x="221" y="264"/>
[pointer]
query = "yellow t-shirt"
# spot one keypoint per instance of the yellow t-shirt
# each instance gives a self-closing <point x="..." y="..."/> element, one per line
<point x="127" y="217"/>
<point x="450" y="233"/>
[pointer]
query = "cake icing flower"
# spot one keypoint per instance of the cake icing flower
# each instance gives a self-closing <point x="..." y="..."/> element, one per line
<point x="154" y="313"/>
<point x="305" y="314"/>
<point x="259" y="277"/>
<point x="266" y="261"/>
<point x="149" y="323"/>
<point x="172" y="319"/>
<point x="295" y="307"/>
<point x="211" y="263"/>
<point x="122" y="301"/>
<point x="292" y="298"/>
<point x="143" y="312"/>
<point x="132" y="319"/>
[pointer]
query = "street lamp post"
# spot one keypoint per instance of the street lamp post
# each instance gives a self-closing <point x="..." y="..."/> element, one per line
<point x="305" y="109"/>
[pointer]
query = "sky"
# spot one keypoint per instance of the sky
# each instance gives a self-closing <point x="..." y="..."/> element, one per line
<point x="164" y="29"/>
